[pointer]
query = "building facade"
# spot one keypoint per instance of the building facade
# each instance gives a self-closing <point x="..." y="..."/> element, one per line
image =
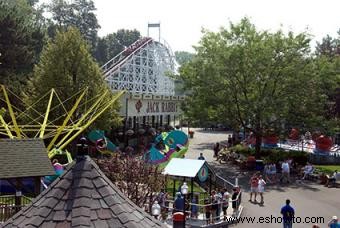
<point x="144" y="71"/>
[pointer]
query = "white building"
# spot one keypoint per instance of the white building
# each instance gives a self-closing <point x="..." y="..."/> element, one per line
<point x="143" y="70"/>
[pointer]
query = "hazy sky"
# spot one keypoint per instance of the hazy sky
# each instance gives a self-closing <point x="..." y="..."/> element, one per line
<point x="182" y="20"/>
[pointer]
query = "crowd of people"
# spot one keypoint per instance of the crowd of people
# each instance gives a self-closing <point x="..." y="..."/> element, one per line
<point x="216" y="205"/>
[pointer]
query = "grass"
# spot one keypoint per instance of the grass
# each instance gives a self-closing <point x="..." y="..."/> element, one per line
<point x="328" y="169"/>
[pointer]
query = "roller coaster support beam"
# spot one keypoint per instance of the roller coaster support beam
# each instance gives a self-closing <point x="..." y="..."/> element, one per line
<point x="92" y="120"/>
<point x="69" y="115"/>
<point x="11" y="113"/>
<point x="43" y="126"/>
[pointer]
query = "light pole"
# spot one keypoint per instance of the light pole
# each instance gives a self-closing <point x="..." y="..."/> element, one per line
<point x="156" y="209"/>
<point x="184" y="191"/>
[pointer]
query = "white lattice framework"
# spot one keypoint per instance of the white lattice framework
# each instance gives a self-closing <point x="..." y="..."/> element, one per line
<point x="142" y="68"/>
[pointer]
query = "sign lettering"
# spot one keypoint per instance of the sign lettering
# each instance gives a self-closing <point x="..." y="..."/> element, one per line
<point x="164" y="106"/>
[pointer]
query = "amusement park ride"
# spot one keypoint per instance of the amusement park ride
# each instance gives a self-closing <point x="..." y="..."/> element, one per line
<point x="23" y="125"/>
<point x="141" y="68"/>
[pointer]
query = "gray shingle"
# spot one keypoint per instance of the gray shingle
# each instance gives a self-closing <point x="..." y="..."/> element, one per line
<point x="81" y="221"/>
<point x="59" y="216"/>
<point x="104" y="213"/>
<point x="100" y="223"/>
<point x="89" y="200"/>
<point x="63" y="224"/>
<point x="24" y="158"/>
<point x="81" y="212"/>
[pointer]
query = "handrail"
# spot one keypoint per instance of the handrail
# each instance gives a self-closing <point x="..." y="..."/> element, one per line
<point x="225" y="181"/>
<point x="219" y="218"/>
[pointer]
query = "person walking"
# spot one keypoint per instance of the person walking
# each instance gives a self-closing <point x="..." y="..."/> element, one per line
<point x="254" y="184"/>
<point x="201" y="157"/>
<point x="288" y="215"/>
<point x="262" y="183"/>
<point x="285" y="172"/>
<point x="225" y="201"/>
<point x="216" y="149"/>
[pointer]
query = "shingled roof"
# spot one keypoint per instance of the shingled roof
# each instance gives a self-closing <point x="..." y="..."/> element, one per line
<point x="24" y="158"/>
<point x="83" y="196"/>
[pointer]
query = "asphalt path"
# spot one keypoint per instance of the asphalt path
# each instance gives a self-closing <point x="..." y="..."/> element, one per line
<point x="313" y="203"/>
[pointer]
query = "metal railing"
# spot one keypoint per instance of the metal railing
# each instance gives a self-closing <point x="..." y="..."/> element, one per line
<point x="207" y="214"/>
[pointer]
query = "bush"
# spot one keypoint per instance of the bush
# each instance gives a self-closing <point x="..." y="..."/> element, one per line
<point x="273" y="155"/>
<point x="244" y="150"/>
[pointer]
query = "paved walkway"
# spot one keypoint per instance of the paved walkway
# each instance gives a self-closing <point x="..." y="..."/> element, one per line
<point x="309" y="199"/>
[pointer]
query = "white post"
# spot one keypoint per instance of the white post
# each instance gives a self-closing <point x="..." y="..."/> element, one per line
<point x="236" y="181"/>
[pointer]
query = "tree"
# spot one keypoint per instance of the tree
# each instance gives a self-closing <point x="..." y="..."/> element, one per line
<point x="327" y="66"/>
<point x="135" y="178"/>
<point x="183" y="57"/>
<point x="254" y="78"/>
<point x="21" y="40"/>
<point x="79" y="14"/>
<point x="67" y="66"/>
<point x="329" y="46"/>
<point x="112" y="44"/>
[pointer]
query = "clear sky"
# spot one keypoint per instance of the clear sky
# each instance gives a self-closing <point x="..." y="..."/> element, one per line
<point x="182" y="20"/>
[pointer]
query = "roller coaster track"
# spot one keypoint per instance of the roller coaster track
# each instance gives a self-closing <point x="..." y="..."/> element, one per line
<point x="143" y="67"/>
<point x="121" y="58"/>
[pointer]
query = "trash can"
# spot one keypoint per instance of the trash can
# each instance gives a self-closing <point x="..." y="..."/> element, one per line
<point x="178" y="220"/>
<point x="259" y="165"/>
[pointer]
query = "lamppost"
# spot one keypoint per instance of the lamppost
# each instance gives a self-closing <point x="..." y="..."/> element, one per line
<point x="156" y="209"/>
<point x="184" y="191"/>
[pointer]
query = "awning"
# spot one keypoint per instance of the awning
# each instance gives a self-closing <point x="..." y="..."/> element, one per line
<point x="183" y="167"/>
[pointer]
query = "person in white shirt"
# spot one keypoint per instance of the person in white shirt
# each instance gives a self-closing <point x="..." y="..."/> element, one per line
<point x="308" y="169"/>
<point x="262" y="183"/>
<point x="225" y="201"/>
<point x="285" y="172"/>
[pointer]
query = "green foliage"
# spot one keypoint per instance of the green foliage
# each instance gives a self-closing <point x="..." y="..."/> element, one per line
<point x="328" y="169"/>
<point x="329" y="46"/>
<point x="79" y="14"/>
<point x="67" y="66"/>
<point x="21" y="40"/>
<point x="241" y="149"/>
<point x="253" y="79"/>
<point x="183" y="57"/>
<point x="112" y="44"/>
<point x="277" y="155"/>
<point x="273" y="155"/>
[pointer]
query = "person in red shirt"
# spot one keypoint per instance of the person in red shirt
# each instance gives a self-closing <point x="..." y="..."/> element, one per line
<point x="254" y="184"/>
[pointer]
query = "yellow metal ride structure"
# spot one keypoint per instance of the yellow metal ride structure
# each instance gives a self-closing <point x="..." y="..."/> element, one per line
<point x="21" y="124"/>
